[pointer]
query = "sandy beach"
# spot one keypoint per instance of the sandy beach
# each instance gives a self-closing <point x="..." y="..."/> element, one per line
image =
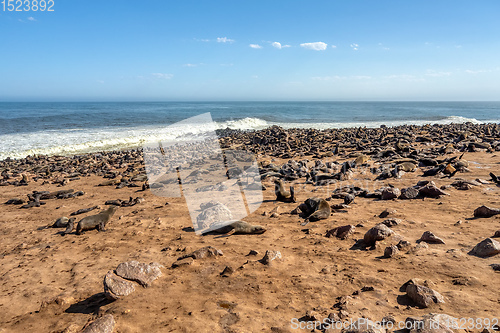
<point x="54" y="283"/>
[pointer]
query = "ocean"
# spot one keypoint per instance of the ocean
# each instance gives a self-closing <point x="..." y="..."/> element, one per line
<point x="74" y="128"/>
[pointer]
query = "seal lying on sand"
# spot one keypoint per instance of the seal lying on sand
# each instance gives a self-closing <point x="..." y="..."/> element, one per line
<point x="282" y="194"/>
<point x="61" y="222"/>
<point x="238" y="228"/>
<point x="97" y="221"/>
<point x="317" y="209"/>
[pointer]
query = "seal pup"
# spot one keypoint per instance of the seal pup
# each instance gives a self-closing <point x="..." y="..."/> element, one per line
<point x="495" y="178"/>
<point x="69" y="227"/>
<point x="238" y="228"/>
<point x="434" y="171"/>
<point x="408" y="166"/>
<point x="317" y="209"/>
<point x="97" y="221"/>
<point x="282" y="194"/>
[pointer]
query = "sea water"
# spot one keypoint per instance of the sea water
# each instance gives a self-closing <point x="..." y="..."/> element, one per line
<point x="73" y="128"/>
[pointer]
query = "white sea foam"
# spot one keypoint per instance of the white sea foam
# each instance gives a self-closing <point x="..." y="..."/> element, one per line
<point x="374" y="124"/>
<point x="79" y="141"/>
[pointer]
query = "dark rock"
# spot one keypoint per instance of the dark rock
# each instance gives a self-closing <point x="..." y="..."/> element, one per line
<point x="487" y="248"/>
<point x="391" y="222"/>
<point x="390" y="193"/>
<point x="387" y="212"/>
<point x="430" y="238"/>
<point x="391" y="251"/>
<point x="423" y="296"/>
<point x="182" y="262"/>
<point x="403" y="244"/>
<point x="341" y="232"/>
<point x="431" y="191"/>
<point x="377" y="233"/>
<point x="485" y="211"/>
<point x="228" y="270"/>
<point x="409" y="193"/>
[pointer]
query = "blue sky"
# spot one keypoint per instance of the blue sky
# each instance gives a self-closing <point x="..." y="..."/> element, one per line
<point x="251" y="50"/>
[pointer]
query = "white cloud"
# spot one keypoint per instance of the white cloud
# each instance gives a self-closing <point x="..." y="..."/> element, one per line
<point x="354" y="46"/>
<point x="163" y="76"/>
<point x="433" y="73"/>
<point x="468" y="71"/>
<point x="341" y="78"/>
<point x="31" y="18"/>
<point x="255" y="46"/>
<point x="383" y="47"/>
<point x="276" y="45"/>
<point x="334" y="46"/>
<point x="317" y="46"/>
<point x="192" y="65"/>
<point x="224" y="40"/>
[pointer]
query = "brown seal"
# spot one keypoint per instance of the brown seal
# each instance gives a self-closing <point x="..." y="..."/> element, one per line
<point x="282" y="194"/>
<point x="97" y="221"/>
<point x="407" y="166"/>
<point x="318" y="209"/>
<point x="239" y="228"/>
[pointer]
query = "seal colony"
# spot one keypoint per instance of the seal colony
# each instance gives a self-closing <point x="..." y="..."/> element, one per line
<point x="378" y="223"/>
